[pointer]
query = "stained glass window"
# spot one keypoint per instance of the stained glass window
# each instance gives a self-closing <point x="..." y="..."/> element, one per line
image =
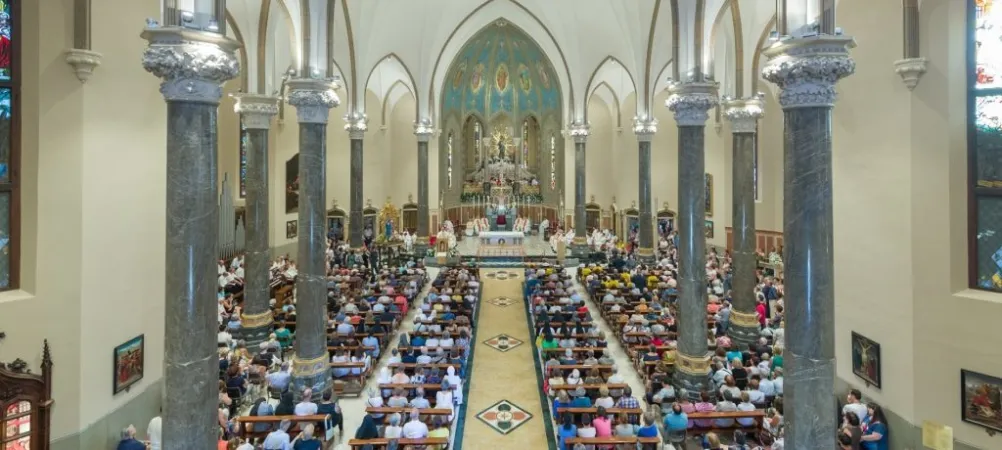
<point x="985" y="140"/>
<point x="553" y="162"/>
<point x="9" y="151"/>
<point x="243" y="162"/>
<point x="16" y="431"/>
<point x="448" y="149"/>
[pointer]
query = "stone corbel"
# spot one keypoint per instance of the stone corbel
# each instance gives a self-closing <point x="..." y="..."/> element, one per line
<point x="83" y="62"/>
<point x="911" y="70"/>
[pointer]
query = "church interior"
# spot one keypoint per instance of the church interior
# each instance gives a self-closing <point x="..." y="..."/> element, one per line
<point x="486" y="223"/>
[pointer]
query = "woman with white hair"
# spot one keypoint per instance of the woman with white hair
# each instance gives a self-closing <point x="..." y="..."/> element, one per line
<point x="393" y="430"/>
<point x="306" y="441"/>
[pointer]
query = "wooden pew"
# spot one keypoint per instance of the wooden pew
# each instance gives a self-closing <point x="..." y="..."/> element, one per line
<point x="298" y="422"/>
<point x="650" y="441"/>
<point x="402" y="443"/>
<point x="426" y="413"/>
<point x="758" y="415"/>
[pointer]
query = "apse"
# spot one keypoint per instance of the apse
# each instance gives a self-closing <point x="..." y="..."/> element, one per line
<point x="501" y="100"/>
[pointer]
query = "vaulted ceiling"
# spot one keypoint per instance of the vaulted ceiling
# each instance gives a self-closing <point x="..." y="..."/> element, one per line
<point x="396" y="48"/>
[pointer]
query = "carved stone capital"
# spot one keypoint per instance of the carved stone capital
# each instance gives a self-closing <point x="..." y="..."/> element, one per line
<point x="579" y="131"/>
<point x="424" y="130"/>
<point x="83" y="62"/>
<point x="356" y="124"/>
<point x="192" y="64"/>
<point x="256" y="110"/>
<point x="645" y="128"/>
<point x="807" y="69"/>
<point x="313" y="98"/>
<point x="911" y="70"/>
<point x="691" y="102"/>
<point x="743" y="113"/>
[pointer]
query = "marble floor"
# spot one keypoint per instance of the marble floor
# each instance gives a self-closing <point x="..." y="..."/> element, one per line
<point x="504" y="409"/>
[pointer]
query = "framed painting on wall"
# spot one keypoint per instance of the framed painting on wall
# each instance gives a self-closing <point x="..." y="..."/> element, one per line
<point x="708" y="179"/>
<point x="708" y="228"/>
<point x="291" y="229"/>
<point x="292" y="184"/>
<point x="866" y="359"/>
<point x="980" y="402"/>
<point x="129" y="363"/>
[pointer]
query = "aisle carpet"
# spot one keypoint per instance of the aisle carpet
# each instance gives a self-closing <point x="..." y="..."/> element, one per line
<point x="503" y="407"/>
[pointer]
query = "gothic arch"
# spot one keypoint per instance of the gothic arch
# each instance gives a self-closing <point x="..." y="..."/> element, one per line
<point x="590" y="89"/>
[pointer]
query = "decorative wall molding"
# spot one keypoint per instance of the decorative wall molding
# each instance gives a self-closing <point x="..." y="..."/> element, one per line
<point x="83" y="62"/>
<point x="911" y="70"/>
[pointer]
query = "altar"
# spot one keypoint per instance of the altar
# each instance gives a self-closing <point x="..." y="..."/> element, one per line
<point x="502" y="238"/>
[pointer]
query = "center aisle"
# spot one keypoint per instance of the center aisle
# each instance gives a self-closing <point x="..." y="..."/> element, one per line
<point x="503" y="406"/>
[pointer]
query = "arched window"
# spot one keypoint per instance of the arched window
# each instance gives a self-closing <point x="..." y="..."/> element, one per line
<point x="10" y="115"/>
<point x="985" y="144"/>
<point x="448" y="149"/>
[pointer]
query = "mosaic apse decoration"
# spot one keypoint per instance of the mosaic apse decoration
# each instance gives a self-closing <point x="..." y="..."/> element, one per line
<point x="503" y="342"/>
<point x="504" y="417"/>
<point x="501" y="302"/>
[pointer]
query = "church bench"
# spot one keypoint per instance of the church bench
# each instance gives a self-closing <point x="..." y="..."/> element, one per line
<point x="645" y="441"/>
<point x="425" y="413"/>
<point x="576" y="350"/>
<point x="588" y="387"/>
<point x="582" y="367"/>
<point x="331" y="348"/>
<point x="758" y="415"/>
<point x="633" y="414"/>
<point x="431" y="350"/>
<point x="407" y="366"/>
<point x="246" y="424"/>
<point x="401" y="443"/>
<point x="428" y="387"/>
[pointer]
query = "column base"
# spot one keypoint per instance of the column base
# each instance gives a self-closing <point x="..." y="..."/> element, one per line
<point x="692" y="373"/>
<point x="646" y="255"/>
<point x="311" y="373"/>
<point x="255" y="328"/>
<point x="743" y="328"/>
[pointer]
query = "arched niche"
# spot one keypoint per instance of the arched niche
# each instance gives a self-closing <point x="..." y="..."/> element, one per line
<point x="631" y="221"/>
<point x="409" y="214"/>
<point x="337" y="221"/>
<point x="666" y="219"/>
<point x="593" y="215"/>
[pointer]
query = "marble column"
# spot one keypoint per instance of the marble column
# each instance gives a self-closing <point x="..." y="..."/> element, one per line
<point x="806" y="71"/>
<point x="691" y="102"/>
<point x="192" y="65"/>
<point x="356" y="124"/>
<point x="580" y="131"/>
<point x="256" y="112"/>
<point x="743" y="114"/>
<point x="424" y="131"/>
<point x="313" y="99"/>
<point x="645" y="129"/>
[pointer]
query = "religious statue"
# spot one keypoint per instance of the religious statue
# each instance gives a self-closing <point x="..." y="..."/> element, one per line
<point x="389" y="229"/>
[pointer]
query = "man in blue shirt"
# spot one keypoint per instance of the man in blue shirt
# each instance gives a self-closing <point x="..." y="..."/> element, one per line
<point x="280" y="380"/>
<point x="129" y="441"/>
<point x="676" y="420"/>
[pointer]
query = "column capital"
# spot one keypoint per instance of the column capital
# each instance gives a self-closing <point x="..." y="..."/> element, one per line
<point x="691" y="102"/>
<point x="256" y="110"/>
<point x="356" y="124"/>
<point x="579" y="131"/>
<point x="424" y="130"/>
<point x="193" y="64"/>
<point x="313" y="98"/>
<point x="743" y="113"/>
<point x="806" y="69"/>
<point x="645" y="127"/>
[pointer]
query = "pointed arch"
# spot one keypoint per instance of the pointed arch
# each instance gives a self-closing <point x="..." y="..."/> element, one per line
<point x="408" y="82"/>
<point x="389" y="93"/>
<point x="608" y="60"/>
<point x="661" y="76"/>
<point x="757" y="59"/>
<point x="615" y="99"/>
<point x="232" y="24"/>
<point x="480" y="18"/>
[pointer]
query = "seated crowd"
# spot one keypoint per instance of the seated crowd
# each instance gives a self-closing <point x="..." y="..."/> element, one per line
<point x="421" y="387"/>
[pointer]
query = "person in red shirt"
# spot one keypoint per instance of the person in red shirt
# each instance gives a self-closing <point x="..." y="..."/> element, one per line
<point x="760" y="311"/>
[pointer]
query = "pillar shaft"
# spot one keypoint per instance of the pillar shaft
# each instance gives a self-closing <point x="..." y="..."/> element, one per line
<point x="580" y="134"/>
<point x="743" y="115"/>
<point x="193" y="65"/>
<point x="313" y="99"/>
<point x="645" y="130"/>
<point x="356" y="127"/>
<point x="691" y="102"/>
<point x="256" y="112"/>
<point x="806" y="70"/>
<point x="422" y="190"/>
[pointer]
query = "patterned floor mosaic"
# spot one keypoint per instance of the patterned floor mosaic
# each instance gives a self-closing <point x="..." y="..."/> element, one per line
<point x="502" y="275"/>
<point x="504" y="417"/>
<point x="502" y="302"/>
<point x="503" y="342"/>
